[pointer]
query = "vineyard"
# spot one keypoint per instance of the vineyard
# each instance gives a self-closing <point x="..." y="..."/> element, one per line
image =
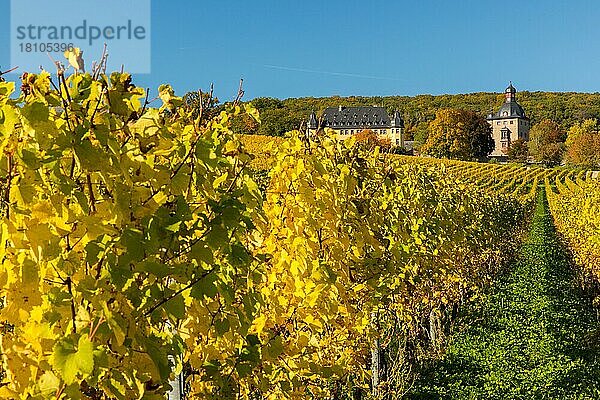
<point x="142" y="242"/>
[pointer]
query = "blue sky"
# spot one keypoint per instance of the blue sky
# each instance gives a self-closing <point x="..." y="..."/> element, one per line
<point x="369" y="48"/>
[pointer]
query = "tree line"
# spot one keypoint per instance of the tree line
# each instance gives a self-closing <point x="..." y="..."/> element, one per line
<point x="554" y="117"/>
<point x="431" y="122"/>
<point x="280" y="116"/>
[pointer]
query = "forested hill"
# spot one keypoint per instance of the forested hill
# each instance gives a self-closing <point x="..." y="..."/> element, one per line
<point x="279" y="116"/>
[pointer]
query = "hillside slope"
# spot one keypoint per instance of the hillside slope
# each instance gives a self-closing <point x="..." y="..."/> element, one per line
<point x="279" y="116"/>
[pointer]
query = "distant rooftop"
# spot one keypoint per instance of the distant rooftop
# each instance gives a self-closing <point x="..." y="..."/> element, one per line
<point x="359" y="117"/>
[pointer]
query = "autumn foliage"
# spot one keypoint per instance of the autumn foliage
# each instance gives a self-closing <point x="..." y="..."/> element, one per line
<point x="136" y="245"/>
<point x="583" y="144"/>
<point x="546" y="142"/>
<point x="458" y="134"/>
<point x="370" y="140"/>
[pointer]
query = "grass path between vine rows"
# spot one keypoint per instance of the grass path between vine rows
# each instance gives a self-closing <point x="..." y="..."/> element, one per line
<point x="534" y="337"/>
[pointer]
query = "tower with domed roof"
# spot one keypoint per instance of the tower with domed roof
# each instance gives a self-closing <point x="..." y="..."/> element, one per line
<point x="509" y="124"/>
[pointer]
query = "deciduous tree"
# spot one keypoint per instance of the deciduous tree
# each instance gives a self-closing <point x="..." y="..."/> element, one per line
<point x="420" y="135"/>
<point x="518" y="151"/>
<point x="459" y="134"/>
<point x="546" y="142"/>
<point x="370" y="139"/>
<point x="584" y="151"/>
<point x="581" y="128"/>
<point x="583" y="144"/>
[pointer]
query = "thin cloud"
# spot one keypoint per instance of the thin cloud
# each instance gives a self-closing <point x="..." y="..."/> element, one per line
<point x="314" y="71"/>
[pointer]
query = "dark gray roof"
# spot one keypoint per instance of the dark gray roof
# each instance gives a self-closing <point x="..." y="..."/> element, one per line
<point x="510" y="89"/>
<point x="359" y="117"/>
<point x="510" y="109"/>
<point x="397" y="120"/>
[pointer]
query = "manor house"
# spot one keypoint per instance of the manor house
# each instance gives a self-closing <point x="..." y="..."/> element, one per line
<point x="347" y="121"/>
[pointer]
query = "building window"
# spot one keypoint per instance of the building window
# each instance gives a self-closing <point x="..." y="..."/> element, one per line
<point x="498" y="123"/>
<point x="511" y="122"/>
<point x="503" y="145"/>
<point x="397" y="142"/>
